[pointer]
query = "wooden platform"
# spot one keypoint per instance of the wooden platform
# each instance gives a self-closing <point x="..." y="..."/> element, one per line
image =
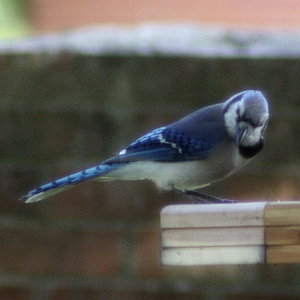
<point x="239" y="233"/>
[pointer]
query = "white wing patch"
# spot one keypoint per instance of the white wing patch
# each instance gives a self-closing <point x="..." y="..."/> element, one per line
<point x="122" y="152"/>
<point x="156" y="134"/>
<point x="173" y="145"/>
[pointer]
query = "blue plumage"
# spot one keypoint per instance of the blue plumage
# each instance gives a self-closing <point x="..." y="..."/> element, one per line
<point x="64" y="183"/>
<point x="203" y="147"/>
<point x="166" y="144"/>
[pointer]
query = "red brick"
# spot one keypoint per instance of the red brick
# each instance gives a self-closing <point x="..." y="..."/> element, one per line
<point x="257" y="187"/>
<point x="14" y="182"/>
<point x="14" y="293"/>
<point x="65" y="293"/>
<point x="148" y="254"/>
<point x="269" y="296"/>
<point x="41" y="251"/>
<point x="59" y="15"/>
<point x="115" y="200"/>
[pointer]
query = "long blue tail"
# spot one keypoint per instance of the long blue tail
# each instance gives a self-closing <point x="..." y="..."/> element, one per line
<point x="62" y="184"/>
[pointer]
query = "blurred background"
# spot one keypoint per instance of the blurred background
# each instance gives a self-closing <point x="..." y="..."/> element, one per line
<point x="79" y="80"/>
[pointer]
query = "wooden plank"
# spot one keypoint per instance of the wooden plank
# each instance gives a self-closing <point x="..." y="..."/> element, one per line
<point x="213" y="215"/>
<point x="212" y="255"/>
<point x="283" y="235"/>
<point x="282" y="213"/>
<point x="283" y="254"/>
<point x="223" y="236"/>
<point x="245" y="233"/>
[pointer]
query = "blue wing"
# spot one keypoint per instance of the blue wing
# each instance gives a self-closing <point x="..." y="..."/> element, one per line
<point x="176" y="142"/>
<point x="168" y="144"/>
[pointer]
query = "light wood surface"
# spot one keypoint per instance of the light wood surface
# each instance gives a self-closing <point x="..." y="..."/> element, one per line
<point x="283" y="235"/>
<point x="245" y="233"/>
<point x="222" y="236"/>
<point x="282" y="213"/>
<point x="204" y="215"/>
<point x="213" y="255"/>
<point x="283" y="254"/>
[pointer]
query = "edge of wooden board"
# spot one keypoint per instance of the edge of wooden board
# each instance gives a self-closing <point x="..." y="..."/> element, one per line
<point x="212" y="255"/>
<point x="282" y="213"/>
<point x="286" y="254"/>
<point x="204" y="237"/>
<point x="199" y="215"/>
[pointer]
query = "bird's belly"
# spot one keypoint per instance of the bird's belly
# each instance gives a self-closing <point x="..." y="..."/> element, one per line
<point x="183" y="175"/>
<point x="190" y="175"/>
<point x="200" y="173"/>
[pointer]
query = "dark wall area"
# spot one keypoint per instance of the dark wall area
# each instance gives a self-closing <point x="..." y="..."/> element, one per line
<point x="64" y="111"/>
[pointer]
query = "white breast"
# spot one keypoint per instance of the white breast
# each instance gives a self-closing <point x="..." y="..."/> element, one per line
<point x="183" y="175"/>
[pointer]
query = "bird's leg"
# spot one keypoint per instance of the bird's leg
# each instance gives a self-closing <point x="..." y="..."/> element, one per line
<point x="203" y="198"/>
<point x="208" y="198"/>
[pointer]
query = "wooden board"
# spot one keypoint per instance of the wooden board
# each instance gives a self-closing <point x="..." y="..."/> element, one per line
<point x="286" y="254"/>
<point x="283" y="235"/>
<point x="223" y="236"/>
<point x="212" y="255"/>
<point x="204" y="215"/>
<point x="245" y="233"/>
<point x="282" y="213"/>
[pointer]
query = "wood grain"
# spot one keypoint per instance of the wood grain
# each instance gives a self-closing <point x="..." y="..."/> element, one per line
<point x="212" y="255"/>
<point x="223" y="236"/>
<point x="213" y="215"/>
<point x="245" y="233"/>
<point x="283" y="254"/>
<point x="283" y="235"/>
<point x="282" y="213"/>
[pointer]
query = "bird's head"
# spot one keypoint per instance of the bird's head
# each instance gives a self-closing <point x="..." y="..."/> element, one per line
<point x="246" y="117"/>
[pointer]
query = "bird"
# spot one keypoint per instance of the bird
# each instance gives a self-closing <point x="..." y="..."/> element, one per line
<point x="202" y="148"/>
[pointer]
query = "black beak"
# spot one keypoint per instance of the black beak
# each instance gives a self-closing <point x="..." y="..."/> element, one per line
<point x="240" y="134"/>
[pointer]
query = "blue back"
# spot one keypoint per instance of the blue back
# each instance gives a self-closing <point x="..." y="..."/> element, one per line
<point x="191" y="138"/>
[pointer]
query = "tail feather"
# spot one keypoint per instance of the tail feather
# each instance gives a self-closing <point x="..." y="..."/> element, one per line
<point x="67" y="182"/>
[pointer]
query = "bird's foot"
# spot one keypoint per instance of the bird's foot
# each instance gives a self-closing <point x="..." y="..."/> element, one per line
<point x="203" y="198"/>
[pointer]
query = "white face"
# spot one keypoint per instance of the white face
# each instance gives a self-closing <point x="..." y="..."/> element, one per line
<point x="250" y="135"/>
<point x="246" y="122"/>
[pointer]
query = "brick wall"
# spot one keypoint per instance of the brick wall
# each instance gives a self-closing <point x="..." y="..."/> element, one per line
<point x="61" y="112"/>
<point x="56" y="15"/>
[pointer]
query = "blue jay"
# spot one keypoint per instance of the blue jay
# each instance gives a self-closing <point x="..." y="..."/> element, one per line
<point x="199" y="149"/>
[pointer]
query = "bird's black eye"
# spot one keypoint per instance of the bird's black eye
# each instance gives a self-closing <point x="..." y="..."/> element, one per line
<point x="249" y="121"/>
<point x="247" y="118"/>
